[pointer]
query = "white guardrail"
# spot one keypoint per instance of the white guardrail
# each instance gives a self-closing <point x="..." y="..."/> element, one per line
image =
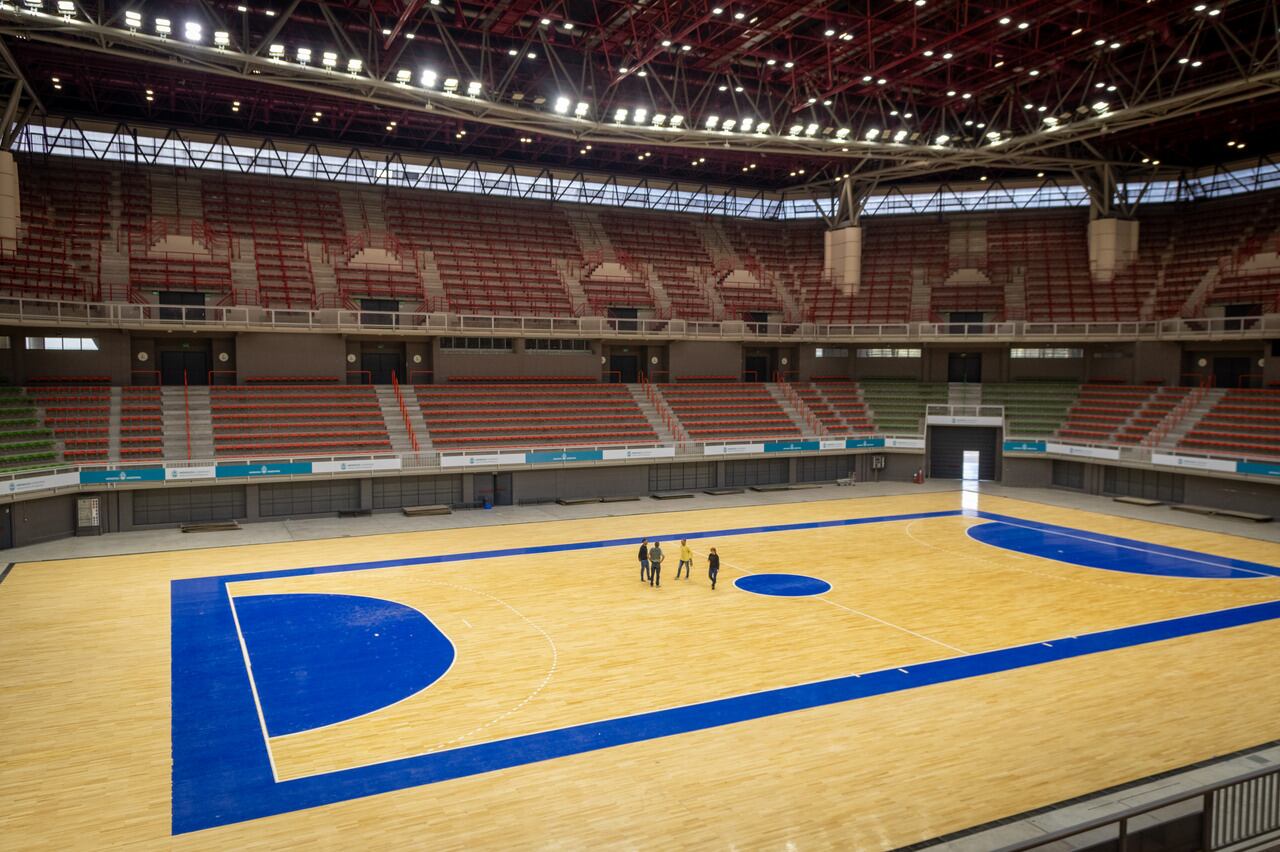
<point x="283" y="468"/>
<point x="78" y="314"/>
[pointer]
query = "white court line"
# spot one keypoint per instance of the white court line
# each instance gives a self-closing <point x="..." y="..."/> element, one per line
<point x="253" y="687"/>
<point x="744" y="572"/>
<point x="1126" y="547"/>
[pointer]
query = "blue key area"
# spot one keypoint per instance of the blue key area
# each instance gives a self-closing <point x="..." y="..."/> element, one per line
<point x="321" y="659"/>
<point x="1110" y="553"/>
<point x="782" y="585"/>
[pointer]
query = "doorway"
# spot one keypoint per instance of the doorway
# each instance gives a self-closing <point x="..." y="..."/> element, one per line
<point x="756" y="368"/>
<point x="184" y="366"/>
<point x="965" y="367"/>
<point x="493" y="488"/>
<point x="1230" y="371"/>
<point x="952" y="449"/>
<point x="381" y="366"/>
<point x="969" y="465"/>
<point x="6" y="527"/>
<point x="624" y="368"/>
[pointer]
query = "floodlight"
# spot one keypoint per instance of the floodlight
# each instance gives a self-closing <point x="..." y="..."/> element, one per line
<point x="428" y="79"/>
<point x="562" y="105"/>
<point x="581" y="109"/>
<point x="329" y="60"/>
<point x="355" y="65"/>
<point x="474" y="88"/>
<point x="221" y="38"/>
<point x="163" y="27"/>
<point x="712" y="121"/>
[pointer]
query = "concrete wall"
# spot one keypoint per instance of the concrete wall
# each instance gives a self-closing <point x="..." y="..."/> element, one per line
<point x="573" y="483"/>
<point x="452" y="363"/>
<point x="267" y="354"/>
<point x="910" y="369"/>
<point x="50" y="518"/>
<point x="809" y="364"/>
<point x="1233" y="494"/>
<point x="1027" y="473"/>
<point x="691" y="358"/>
<point x="112" y="358"/>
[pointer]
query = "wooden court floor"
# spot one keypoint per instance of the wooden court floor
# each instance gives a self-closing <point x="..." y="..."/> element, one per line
<point x="569" y="641"/>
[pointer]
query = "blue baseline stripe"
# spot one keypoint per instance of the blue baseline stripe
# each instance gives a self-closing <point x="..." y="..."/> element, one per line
<point x="221" y="770"/>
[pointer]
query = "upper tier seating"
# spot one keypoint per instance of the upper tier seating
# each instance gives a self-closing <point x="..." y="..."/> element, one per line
<point x="838" y="405"/>
<point x="493" y="256"/>
<point x="1048" y="252"/>
<point x="898" y="407"/>
<point x="271" y="420"/>
<point x="529" y="414"/>
<point x="714" y="411"/>
<point x="66" y="210"/>
<point x="1244" y="422"/>
<point x="673" y="249"/>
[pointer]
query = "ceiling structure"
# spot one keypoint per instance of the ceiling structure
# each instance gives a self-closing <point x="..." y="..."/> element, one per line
<point x="882" y="90"/>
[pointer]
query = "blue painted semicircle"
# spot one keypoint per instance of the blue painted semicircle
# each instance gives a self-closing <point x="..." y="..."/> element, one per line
<point x="782" y="585"/>
<point x="1111" y="553"/>
<point x="322" y="659"/>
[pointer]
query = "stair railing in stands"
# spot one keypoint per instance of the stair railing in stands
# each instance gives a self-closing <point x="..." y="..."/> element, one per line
<point x="800" y="406"/>
<point x="1178" y="414"/>
<point x="404" y="413"/>
<point x="668" y="416"/>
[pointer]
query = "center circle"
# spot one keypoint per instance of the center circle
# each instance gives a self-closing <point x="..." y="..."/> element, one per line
<point x="782" y="585"/>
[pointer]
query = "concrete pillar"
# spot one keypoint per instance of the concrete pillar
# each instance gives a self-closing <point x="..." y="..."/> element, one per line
<point x="842" y="257"/>
<point x="10" y="208"/>
<point x="1113" y="246"/>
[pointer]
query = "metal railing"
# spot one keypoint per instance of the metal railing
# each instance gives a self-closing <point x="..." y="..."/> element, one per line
<point x="1231" y="813"/>
<point x="948" y="410"/>
<point x="80" y="314"/>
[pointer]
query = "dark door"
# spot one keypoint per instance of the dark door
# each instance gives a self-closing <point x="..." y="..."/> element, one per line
<point x="181" y="297"/>
<point x="624" y="368"/>
<point x="961" y="320"/>
<point x="757" y="369"/>
<point x="1230" y="372"/>
<point x="381" y="366"/>
<point x="184" y="365"/>
<point x="624" y="319"/>
<point x="384" y="308"/>
<point x="947" y="445"/>
<point x="964" y="367"/>
<point x="502" y="489"/>
<point x="6" y="527"/>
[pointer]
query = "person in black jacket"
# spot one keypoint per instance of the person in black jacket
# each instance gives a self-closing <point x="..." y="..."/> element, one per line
<point x="644" y="559"/>
<point x="713" y="567"/>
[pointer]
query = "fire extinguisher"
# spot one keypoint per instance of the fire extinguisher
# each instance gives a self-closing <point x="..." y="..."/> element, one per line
<point x="918" y="479"/>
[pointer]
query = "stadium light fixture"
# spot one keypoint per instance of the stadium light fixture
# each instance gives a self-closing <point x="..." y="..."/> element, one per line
<point x="746" y="124"/>
<point x="163" y="27"/>
<point x="427" y="78"/>
<point x="133" y="20"/>
<point x="640" y="115"/>
<point x="355" y="66"/>
<point x="677" y="120"/>
<point x="842" y="133"/>
<point x="811" y="129"/>
<point x="659" y="119"/>
<point x="762" y="127"/>
<point x="620" y="115"/>
<point x="66" y="9"/>
<point x="872" y="133"/>
<point x="942" y="139"/>
<point x="899" y="136"/>
<point x="581" y="109"/>
<point x="562" y="105"/>
<point x="795" y="129"/>
<point x="728" y="125"/>
<point x="403" y="76"/>
<point x="190" y="30"/>
<point x="329" y="60"/>
<point x="221" y="39"/>
<point x="474" y="88"/>
<point x="712" y="121"/>
<point x="450" y="85"/>
<point x="304" y="56"/>
<point x="276" y="52"/>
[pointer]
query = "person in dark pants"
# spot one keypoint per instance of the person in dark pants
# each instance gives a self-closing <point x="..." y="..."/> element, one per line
<point x="655" y="564"/>
<point x="713" y="567"/>
<point x="686" y="559"/>
<point x="644" y="559"/>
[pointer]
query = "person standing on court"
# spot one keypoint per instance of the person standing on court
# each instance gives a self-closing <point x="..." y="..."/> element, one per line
<point x="644" y="559"/>
<point x="686" y="559"/>
<point x="655" y="564"/>
<point x="713" y="567"/>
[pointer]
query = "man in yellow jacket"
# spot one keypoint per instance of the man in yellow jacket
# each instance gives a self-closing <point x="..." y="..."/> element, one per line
<point x="686" y="559"/>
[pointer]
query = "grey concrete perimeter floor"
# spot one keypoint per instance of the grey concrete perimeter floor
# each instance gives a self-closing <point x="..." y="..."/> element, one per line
<point x="1015" y="829"/>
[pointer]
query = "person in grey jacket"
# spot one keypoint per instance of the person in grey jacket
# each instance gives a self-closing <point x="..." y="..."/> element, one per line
<point x="655" y="564"/>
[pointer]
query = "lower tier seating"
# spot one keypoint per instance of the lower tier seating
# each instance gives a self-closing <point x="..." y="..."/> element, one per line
<point x="715" y="411"/>
<point x="1244" y="422"/>
<point x="297" y="419"/>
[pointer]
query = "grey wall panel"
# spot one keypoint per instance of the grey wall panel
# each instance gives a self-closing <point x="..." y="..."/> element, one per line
<point x="693" y="358"/>
<point x="267" y="354"/>
<point x="1027" y="473"/>
<point x="576" y="483"/>
<point x="396" y="492"/>
<point x="112" y="358"/>
<point x="298" y="499"/>
<point x="35" y="521"/>
<point x="170" y="506"/>
<point x="1233" y="494"/>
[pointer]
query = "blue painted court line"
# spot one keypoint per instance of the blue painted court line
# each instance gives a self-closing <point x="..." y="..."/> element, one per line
<point x="1109" y="552"/>
<point x="222" y="772"/>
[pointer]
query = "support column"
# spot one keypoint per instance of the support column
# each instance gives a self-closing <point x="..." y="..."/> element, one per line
<point x="842" y="244"/>
<point x="1113" y="246"/>
<point x="9" y="203"/>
